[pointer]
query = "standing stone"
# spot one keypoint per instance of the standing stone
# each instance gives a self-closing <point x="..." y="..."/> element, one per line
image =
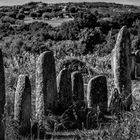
<point x="133" y="64"/>
<point x="77" y="86"/>
<point x="2" y="95"/>
<point x="137" y="56"/>
<point x="121" y="64"/>
<point x="97" y="93"/>
<point x="22" y="106"/>
<point x="137" y="64"/>
<point x="46" y="89"/>
<point x="64" y="89"/>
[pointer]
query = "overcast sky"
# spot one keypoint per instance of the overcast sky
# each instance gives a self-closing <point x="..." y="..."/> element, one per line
<point x="15" y="2"/>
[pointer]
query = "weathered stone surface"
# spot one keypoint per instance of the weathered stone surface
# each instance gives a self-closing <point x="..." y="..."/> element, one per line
<point x="137" y="56"/>
<point x="64" y="89"/>
<point x="137" y="64"/>
<point x="22" y="106"/>
<point x="2" y="95"/>
<point x="2" y="131"/>
<point x="137" y="70"/>
<point x="115" y="103"/>
<point x="77" y="86"/>
<point x="121" y="64"/>
<point x="97" y="93"/>
<point x="133" y="64"/>
<point x="46" y="89"/>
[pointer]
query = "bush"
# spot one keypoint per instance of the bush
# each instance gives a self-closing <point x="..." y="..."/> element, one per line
<point x="72" y="64"/>
<point x="33" y="15"/>
<point x="89" y="38"/>
<point x="20" y="16"/>
<point x="86" y="19"/>
<point x="7" y="19"/>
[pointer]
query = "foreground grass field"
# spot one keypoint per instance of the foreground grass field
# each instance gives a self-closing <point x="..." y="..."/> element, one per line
<point x="124" y="127"/>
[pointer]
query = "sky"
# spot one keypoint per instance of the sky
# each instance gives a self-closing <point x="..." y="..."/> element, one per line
<point x="18" y="2"/>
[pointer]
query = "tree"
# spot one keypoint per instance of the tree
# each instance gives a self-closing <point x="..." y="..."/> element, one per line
<point x="39" y="14"/>
<point x="126" y="19"/>
<point x="136" y="43"/>
<point x="46" y="15"/>
<point x="2" y="14"/>
<point x="105" y="25"/>
<point x="89" y="38"/>
<point x="7" y="19"/>
<point x="107" y="46"/>
<point x="69" y="30"/>
<point x="60" y="14"/>
<point x="11" y="14"/>
<point x="86" y="19"/>
<point x="33" y="15"/>
<point x="20" y="16"/>
<point x="73" y="9"/>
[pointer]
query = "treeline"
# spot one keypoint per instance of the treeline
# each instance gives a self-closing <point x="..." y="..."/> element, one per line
<point x="14" y="14"/>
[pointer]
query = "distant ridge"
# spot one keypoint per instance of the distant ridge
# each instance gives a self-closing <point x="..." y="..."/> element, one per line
<point x="102" y="4"/>
<point x="21" y="2"/>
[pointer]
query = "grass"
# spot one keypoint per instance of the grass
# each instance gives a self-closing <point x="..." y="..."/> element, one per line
<point x="53" y="22"/>
<point x="127" y="128"/>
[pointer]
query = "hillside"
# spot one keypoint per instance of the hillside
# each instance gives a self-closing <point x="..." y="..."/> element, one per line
<point x="83" y="24"/>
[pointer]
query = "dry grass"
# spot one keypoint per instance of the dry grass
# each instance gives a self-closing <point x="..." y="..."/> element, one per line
<point x="53" y="22"/>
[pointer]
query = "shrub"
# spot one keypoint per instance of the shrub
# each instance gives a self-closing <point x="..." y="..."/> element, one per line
<point x="20" y="16"/>
<point x="7" y="19"/>
<point x="33" y="14"/>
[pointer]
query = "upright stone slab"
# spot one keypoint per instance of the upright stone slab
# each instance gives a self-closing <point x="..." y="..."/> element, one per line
<point x="137" y="64"/>
<point x="121" y="64"/>
<point x="2" y="95"/>
<point x="64" y="89"/>
<point x="137" y="56"/>
<point x="46" y="89"/>
<point x="22" y="106"/>
<point x="77" y="86"/>
<point x="133" y="64"/>
<point x="137" y="70"/>
<point x="97" y="93"/>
